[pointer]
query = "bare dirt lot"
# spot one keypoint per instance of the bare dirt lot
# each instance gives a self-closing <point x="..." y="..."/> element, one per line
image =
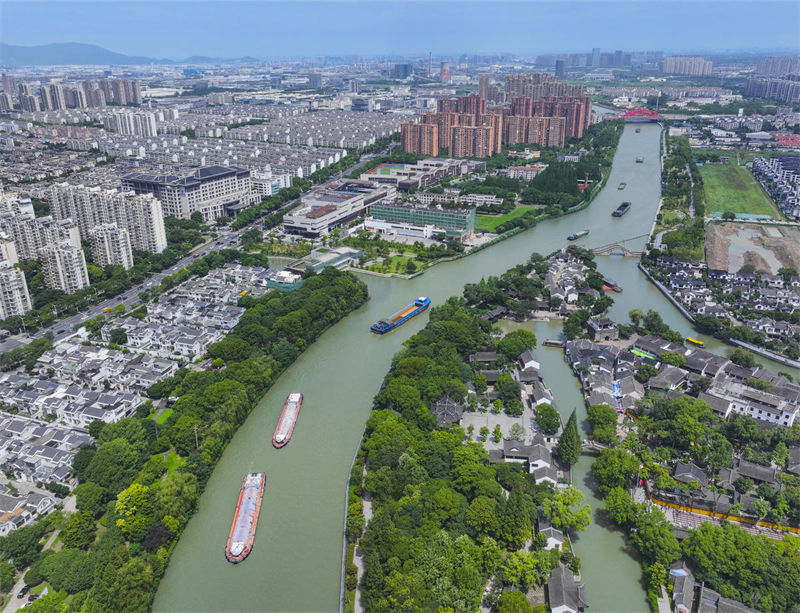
<point x="729" y="246"/>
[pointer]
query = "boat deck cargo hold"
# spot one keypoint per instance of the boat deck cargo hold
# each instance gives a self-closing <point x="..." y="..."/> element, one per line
<point x="291" y="409"/>
<point x="243" y="530"/>
<point x="403" y="315"/>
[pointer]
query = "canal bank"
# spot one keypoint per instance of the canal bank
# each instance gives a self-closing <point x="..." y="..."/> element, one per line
<point x="296" y="562"/>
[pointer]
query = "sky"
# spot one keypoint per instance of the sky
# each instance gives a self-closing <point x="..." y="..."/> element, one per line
<point x="177" y="29"/>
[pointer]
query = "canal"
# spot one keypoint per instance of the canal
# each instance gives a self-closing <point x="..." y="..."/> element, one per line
<point x="296" y="562"/>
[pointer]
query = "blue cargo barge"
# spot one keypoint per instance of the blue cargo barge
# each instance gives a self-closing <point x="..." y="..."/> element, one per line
<point x="382" y="326"/>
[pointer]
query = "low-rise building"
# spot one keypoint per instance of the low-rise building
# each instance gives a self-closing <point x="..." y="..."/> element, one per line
<point x="421" y="221"/>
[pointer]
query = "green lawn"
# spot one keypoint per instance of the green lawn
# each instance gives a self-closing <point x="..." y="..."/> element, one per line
<point x="396" y="263"/>
<point x="173" y="461"/>
<point x="735" y="189"/>
<point x="485" y="223"/>
<point x="164" y="416"/>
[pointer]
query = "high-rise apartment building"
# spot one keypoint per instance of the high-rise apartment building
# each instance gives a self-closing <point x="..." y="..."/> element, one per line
<point x="577" y="111"/>
<point x="14" y="296"/>
<point x="46" y="98"/>
<point x="215" y="191"/>
<point x="9" y="84"/>
<point x="471" y="141"/>
<point x="24" y="89"/>
<point x="64" y="267"/>
<point x="775" y="66"/>
<point x="544" y="131"/>
<point x="105" y="87"/>
<point x="538" y="85"/>
<point x="96" y="98"/>
<point x="76" y="98"/>
<point x="560" y="68"/>
<point x="420" y="138"/>
<point x="30" y="234"/>
<point x="28" y="103"/>
<point x="111" y="246"/>
<point x="141" y="216"/>
<point x="402" y="71"/>
<point x="355" y="86"/>
<point x="483" y="87"/>
<point x="6" y="103"/>
<point x="692" y="66"/>
<point x="595" y="57"/>
<point x="783" y="90"/>
<point x="118" y="91"/>
<point x="132" y="124"/>
<point x="57" y="97"/>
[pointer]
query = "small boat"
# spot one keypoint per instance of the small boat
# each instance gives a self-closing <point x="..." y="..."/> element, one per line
<point x="291" y="409"/>
<point x="611" y="284"/>
<point x="621" y="209"/>
<point x="638" y="130"/>
<point x="577" y="235"/>
<point x="639" y="160"/>
<point x="382" y="326"/>
<point x="245" y="520"/>
<point x="694" y="341"/>
<point x="553" y="343"/>
<point x="622" y="185"/>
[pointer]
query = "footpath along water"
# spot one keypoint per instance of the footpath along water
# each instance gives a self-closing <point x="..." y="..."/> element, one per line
<point x="296" y="563"/>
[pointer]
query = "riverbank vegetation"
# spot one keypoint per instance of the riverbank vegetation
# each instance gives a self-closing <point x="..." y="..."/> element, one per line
<point x="139" y="483"/>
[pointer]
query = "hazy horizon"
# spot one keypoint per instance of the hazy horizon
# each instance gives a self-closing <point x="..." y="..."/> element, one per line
<point x="178" y="29"/>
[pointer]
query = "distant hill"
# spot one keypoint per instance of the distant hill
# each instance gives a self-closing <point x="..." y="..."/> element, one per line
<point x="78" y="53"/>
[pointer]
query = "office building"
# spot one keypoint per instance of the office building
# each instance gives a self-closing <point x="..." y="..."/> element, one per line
<point x="420" y="221"/>
<point x="6" y="103"/>
<point x="14" y="297"/>
<point x="118" y="92"/>
<point x="30" y="234"/>
<point x="214" y="191"/>
<point x="692" y="66"/>
<point x="46" y="98"/>
<point x="9" y="84"/>
<point x="111" y="246"/>
<point x="89" y="207"/>
<point x="337" y="204"/>
<point x="420" y="138"/>
<point x="265" y="183"/>
<point x="355" y="86"/>
<point x="28" y="103"/>
<point x="402" y="71"/>
<point x="64" y="267"/>
<point x="772" y="66"/>
<point x="596" y="57"/>
<point x="423" y="174"/>
<point x="315" y="81"/>
<point x="560" y="68"/>
<point x="57" y="97"/>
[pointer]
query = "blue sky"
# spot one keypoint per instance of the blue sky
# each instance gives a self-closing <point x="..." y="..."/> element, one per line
<point x="178" y="29"/>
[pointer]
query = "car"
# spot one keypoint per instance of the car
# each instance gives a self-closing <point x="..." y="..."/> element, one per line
<point x="23" y="591"/>
<point x="32" y="597"/>
<point x="60" y="332"/>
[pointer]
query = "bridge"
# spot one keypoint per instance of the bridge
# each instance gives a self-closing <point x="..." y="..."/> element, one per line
<point x="618" y="248"/>
<point x="592" y="445"/>
<point x="639" y="114"/>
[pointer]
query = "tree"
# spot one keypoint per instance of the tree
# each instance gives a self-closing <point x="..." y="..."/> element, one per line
<point x="513" y="602"/>
<point x="484" y="432"/>
<point x="743" y="358"/>
<point x="673" y="359"/>
<point x="515" y="527"/>
<point x="497" y="433"/>
<point x="22" y="545"/>
<point x="568" y="449"/>
<point x="565" y="512"/>
<point x="79" y="530"/>
<point x="743" y="484"/>
<point x="481" y="515"/>
<point x="547" y="418"/>
<point x="620" y="507"/>
<point x="604" y="423"/>
<point x="728" y="215"/>
<point x="118" y="336"/>
<point x="114" y="466"/>
<point x="645" y="373"/>
<point x="517" y="432"/>
<point x="654" y="538"/>
<point x="615" y="468"/>
<point x="507" y="388"/>
<point x="6" y="577"/>
<point x="636" y="316"/>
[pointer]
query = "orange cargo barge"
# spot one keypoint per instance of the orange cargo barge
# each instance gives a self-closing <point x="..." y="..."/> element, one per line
<point x="243" y="530"/>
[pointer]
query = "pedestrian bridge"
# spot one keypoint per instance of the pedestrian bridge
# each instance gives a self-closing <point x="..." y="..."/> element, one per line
<point x="619" y="248"/>
<point x="592" y="445"/>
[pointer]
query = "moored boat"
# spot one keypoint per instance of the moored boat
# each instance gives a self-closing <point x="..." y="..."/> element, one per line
<point x="243" y="530"/>
<point x="694" y="341"/>
<point x="621" y="209"/>
<point x="577" y="235"/>
<point x="553" y="343"/>
<point x="291" y="409"/>
<point x="611" y="284"/>
<point x="638" y="130"/>
<point x="382" y="326"/>
<point x="622" y="185"/>
<point x="639" y="160"/>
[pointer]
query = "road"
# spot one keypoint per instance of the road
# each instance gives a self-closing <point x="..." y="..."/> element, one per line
<point x="131" y="296"/>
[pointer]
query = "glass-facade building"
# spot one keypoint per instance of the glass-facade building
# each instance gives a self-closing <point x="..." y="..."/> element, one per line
<point x="456" y="223"/>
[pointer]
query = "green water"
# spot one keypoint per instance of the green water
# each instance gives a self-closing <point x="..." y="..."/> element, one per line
<point x="296" y="562"/>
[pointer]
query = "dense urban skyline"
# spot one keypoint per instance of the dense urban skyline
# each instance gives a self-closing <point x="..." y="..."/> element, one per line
<point x="306" y="27"/>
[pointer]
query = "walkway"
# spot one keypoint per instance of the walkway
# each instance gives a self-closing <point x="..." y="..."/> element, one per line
<point x="358" y="558"/>
<point x="691" y="193"/>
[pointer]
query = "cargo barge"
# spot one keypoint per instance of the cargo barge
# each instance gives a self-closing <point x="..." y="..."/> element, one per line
<point x="621" y="209"/>
<point x="291" y="409"/>
<point x="243" y="530"/>
<point x="554" y="343"/>
<point x="383" y="326"/>
<point x="610" y="284"/>
<point x="577" y="235"/>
